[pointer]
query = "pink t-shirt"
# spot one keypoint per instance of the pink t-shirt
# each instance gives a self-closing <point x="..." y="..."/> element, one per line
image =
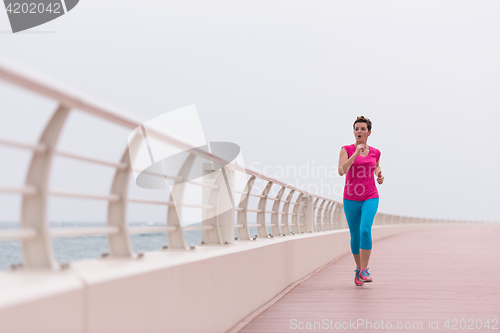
<point x="360" y="179"/>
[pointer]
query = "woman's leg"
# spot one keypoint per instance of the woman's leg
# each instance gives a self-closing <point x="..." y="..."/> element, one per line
<point x="352" y="210"/>
<point x="357" y="260"/>
<point x="368" y="211"/>
<point x="364" y="258"/>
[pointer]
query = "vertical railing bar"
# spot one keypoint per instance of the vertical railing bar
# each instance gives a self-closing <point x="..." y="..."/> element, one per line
<point x="225" y="205"/>
<point x="213" y="236"/>
<point x="320" y="216"/>
<point x="286" y="210"/>
<point x="37" y="251"/>
<point x="315" y="218"/>
<point x="176" y="239"/>
<point x="242" y="217"/>
<point x="120" y="243"/>
<point x="326" y="216"/>
<point x="275" y="216"/>
<point x="332" y="214"/>
<point x="295" y="217"/>
<point x="220" y="217"/>
<point x="308" y="213"/>
<point x="261" y="216"/>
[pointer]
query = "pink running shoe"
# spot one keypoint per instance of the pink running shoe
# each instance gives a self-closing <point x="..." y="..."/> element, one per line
<point x="364" y="275"/>
<point x="357" y="280"/>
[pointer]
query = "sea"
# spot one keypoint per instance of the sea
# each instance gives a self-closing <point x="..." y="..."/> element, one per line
<point x="71" y="249"/>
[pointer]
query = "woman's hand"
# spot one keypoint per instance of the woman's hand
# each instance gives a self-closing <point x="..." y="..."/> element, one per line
<point x="360" y="149"/>
<point x="380" y="178"/>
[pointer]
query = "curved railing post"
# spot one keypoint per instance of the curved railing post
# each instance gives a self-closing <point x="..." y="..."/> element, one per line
<point x="242" y="217"/>
<point x="286" y="211"/>
<point x="176" y="239"/>
<point x="331" y="209"/>
<point x="119" y="244"/>
<point x="332" y="218"/>
<point x="221" y="215"/>
<point x="225" y="202"/>
<point x="335" y="214"/>
<point x="37" y="251"/>
<point x="326" y="216"/>
<point x="213" y="236"/>
<point x="320" y="216"/>
<point x="316" y="221"/>
<point x="276" y="212"/>
<point x="296" y="227"/>
<point x="308" y="211"/>
<point x="261" y="214"/>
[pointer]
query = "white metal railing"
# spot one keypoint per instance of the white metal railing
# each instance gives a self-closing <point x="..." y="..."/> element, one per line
<point x="299" y="212"/>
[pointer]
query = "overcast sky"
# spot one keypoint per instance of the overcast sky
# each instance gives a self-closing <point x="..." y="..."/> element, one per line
<point x="284" y="80"/>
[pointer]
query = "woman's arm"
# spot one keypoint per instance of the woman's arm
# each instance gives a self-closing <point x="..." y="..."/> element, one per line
<point x="378" y="173"/>
<point x="345" y="162"/>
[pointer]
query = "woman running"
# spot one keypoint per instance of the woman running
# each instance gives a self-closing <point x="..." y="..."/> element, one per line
<point x="360" y="162"/>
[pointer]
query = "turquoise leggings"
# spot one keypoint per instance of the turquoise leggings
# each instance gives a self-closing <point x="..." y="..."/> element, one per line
<point x="360" y="215"/>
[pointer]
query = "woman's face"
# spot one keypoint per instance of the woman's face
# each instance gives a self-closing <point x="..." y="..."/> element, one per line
<point x="361" y="132"/>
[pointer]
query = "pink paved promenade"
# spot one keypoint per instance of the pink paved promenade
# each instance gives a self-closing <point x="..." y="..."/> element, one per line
<point x="430" y="276"/>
